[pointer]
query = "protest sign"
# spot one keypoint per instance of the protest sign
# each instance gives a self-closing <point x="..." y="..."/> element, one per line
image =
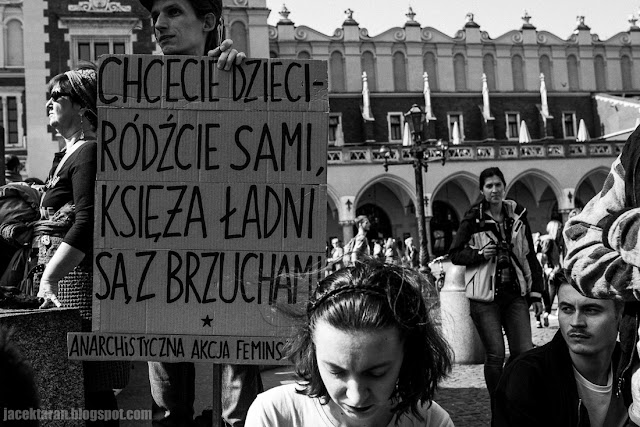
<point x="210" y="207"/>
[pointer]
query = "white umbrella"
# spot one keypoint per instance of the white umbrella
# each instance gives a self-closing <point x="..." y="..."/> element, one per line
<point x="406" y="135"/>
<point x="427" y="96"/>
<point x="543" y="96"/>
<point x="583" y="133"/>
<point x="366" y="107"/>
<point x="485" y="97"/>
<point x="524" y="137"/>
<point x="455" y="134"/>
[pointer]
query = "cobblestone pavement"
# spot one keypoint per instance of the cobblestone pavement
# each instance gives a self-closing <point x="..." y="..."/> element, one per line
<point x="463" y="394"/>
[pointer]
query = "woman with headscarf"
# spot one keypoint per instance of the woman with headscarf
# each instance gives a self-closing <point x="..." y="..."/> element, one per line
<point x="64" y="235"/>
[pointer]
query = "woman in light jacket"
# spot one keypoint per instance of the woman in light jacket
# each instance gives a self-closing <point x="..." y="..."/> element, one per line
<point x="502" y="273"/>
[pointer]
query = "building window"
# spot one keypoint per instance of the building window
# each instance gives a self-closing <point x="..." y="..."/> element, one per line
<point x="459" y="72"/>
<point x="396" y="122"/>
<point x="598" y="66"/>
<point x="368" y="64"/>
<point x="513" y="125"/>
<point x="452" y="119"/>
<point x="11" y="116"/>
<point x="15" y="47"/>
<point x="569" y="125"/>
<point x="625" y="69"/>
<point x="573" y="73"/>
<point x="489" y="69"/>
<point x="399" y="72"/>
<point x="545" y="68"/>
<point x="517" y="70"/>
<point x="239" y="36"/>
<point x="303" y="54"/>
<point x="91" y="49"/>
<point x="336" y="137"/>
<point x="431" y="68"/>
<point x="336" y="72"/>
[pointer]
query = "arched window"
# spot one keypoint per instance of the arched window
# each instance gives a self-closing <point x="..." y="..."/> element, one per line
<point x="15" y="47"/>
<point x="517" y="70"/>
<point x="625" y="69"/>
<point x="430" y="66"/>
<point x="489" y="69"/>
<point x="399" y="73"/>
<point x="572" y="72"/>
<point x="273" y="54"/>
<point x="336" y="67"/>
<point x="545" y="68"/>
<point x="368" y="65"/>
<point x="239" y="37"/>
<point x="598" y="68"/>
<point x="459" y="72"/>
<point x="303" y="54"/>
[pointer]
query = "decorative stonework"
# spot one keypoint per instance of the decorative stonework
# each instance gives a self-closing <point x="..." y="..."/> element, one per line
<point x="460" y="35"/>
<point x="300" y="34"/>
<point x="400" y="35"/>
<point x="484" y="36"/>
<point x="625" y="39"/>
<point x="273" y="33"/>
<point x="426" y="35"/>
<point x="517" y="38"/>
<point x="595" y="38"/>
<point x="98" y="6"/>
<point x="338" y="34"/>
<point x="542" y="39"/>
<point x="240" y="2"/>
<point x="364" y="33"/>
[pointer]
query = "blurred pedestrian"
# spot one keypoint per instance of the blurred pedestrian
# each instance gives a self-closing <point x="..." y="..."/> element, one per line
<point x="334" y="262"/>
<point x="12" y="168"/>
<point x="551" y="255"/>
<point x="391" y="252"/>
<point x="502" y="273"/>
<point x="410" y="253"/>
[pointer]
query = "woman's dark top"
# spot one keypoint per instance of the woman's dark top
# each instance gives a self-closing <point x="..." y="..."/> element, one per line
<point x="75" y="183"/>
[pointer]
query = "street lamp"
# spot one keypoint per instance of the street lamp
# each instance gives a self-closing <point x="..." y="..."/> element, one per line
<point x="420" y="158"/>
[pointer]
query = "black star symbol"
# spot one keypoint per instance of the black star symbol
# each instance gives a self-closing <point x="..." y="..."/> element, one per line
<point x="206" y="321"/>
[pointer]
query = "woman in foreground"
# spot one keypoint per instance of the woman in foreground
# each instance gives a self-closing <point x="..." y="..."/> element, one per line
<point x="368" y="353"/>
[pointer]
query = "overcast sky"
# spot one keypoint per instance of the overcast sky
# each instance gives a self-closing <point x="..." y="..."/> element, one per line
<point x="606" y="18"/>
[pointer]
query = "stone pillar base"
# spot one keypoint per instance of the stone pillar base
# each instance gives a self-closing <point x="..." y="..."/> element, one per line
<point x="41" y="337"/>
<point x="457" y="326"/>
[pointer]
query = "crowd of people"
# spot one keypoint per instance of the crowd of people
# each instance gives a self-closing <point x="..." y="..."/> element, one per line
<point x="369" y="350"/>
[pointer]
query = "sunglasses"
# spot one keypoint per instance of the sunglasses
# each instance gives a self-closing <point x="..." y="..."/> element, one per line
<point x="57" y="95"/>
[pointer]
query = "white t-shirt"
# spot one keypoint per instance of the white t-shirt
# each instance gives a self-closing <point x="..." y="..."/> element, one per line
<point x="604" y="408"/>
<point x="283" y="407"/>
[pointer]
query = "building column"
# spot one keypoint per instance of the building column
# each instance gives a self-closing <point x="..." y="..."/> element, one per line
<point x="347" y="216"/>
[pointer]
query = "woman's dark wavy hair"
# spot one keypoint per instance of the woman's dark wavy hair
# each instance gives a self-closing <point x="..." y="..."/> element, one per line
<point x="202" y="8"/>
<point x="367" y="297"/>
<point x="488" y="173"/>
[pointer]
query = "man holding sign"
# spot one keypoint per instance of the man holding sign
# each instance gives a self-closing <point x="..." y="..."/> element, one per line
<point x="195" y="27"/>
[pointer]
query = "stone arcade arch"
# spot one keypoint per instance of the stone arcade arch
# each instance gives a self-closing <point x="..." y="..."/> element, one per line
<point x="449" y="201"/>
<point x="390" y="201"/>
<point x="539" y="193"/>
<point x="589" y="186"/>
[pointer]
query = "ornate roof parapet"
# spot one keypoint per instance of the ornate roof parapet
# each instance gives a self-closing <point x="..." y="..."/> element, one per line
<point x="349" y="20"/>
<point x="633" y="26"/>
<point x="98" y="6"/>
<point x="580" y="25"/>
<point x="582" y="33"/>
<point x="526" y="22"/>
<point x="411" y="22"/>
<point x="284" y="13"/>
<point x="470" y="22"/>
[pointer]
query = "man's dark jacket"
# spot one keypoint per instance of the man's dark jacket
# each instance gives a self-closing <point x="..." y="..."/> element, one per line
<point x="538" y="388"/>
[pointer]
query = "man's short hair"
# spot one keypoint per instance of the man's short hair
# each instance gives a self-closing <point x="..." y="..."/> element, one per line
<point x="360" y="218"/>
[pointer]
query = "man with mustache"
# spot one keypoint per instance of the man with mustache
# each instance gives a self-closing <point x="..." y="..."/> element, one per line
<point x="570" y="381"/>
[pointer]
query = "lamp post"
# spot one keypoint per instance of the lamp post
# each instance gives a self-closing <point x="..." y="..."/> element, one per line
<point x="420" y="154"/>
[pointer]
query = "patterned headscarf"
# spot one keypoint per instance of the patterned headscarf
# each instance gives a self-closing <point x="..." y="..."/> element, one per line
<point x="84" y="84"/>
